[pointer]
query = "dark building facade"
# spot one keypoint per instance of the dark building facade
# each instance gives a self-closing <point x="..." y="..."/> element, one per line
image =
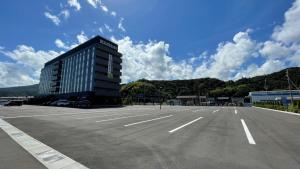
<point x="92" y="68"/>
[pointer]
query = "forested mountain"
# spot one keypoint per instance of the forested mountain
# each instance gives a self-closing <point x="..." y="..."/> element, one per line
<point x="31" y="90"/>
<point x="212" y="87"/>
<point x="204" y="86"/>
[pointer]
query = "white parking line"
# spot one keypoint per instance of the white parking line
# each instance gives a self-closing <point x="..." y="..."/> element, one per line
<point x="199" y="110"/>
<point x="62" y="114"/>
<point x="106" y="115"/>
<point x="291" y="113"/>
<point x="46" y="155"/>
<point x="214" y="111"/>
<point x="122" y="118"/>
<point x="180" y="127"/>
<point x="132" y="124"/>
<point x="248" y="134"/>
<point x="46" y="115"/>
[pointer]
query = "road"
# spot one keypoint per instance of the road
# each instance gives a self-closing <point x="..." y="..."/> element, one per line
<point x="145" y="137"/>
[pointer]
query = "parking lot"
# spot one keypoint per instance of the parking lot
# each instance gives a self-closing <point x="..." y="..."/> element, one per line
<point x="130" y="137"/>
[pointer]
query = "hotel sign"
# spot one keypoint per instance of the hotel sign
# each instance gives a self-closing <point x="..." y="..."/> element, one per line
<point x="108" y="44"/>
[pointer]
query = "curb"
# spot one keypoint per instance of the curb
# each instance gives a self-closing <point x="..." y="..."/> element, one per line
<point x="286" y="112"/>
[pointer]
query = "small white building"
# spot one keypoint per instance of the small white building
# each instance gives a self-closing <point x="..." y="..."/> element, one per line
<point x="279" y="95"/>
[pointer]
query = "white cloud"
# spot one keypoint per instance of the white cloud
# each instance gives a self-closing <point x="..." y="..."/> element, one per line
<point x="151" y="61"/>
<point x="12" y="74"/>
<point x="104" y="8"/>
<point x="28" y="56"/>
<point x="287" y="36"/>
<point x="268" y="67"/>
<point x="289" y="31"/>
<point x="75" y="4"/>
<point x="55" y="19"/>
<point x="25" y="69"/>
<point x="101" y="30"/>
<point x="113" y="13"/>
<point x="275" y="50"/>
<point x="120" y="25"/>
<point x="82" y="37"/>
<point x="99" y="3"/>
<point x="107" y="27"/>
<point x="295" y="58"/>
<point x="60" y="44"/>
<point x="229" y="57"/>
<point x="94" y="3"/>
<point x="65" y="14"/>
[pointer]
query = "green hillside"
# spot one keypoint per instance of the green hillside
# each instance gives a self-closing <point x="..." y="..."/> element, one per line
<point x="31" y="90"/>
<point x="211" y="87"/>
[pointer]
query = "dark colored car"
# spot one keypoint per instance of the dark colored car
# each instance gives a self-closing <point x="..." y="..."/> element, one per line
<point x="13" y="103"/>
<point x="83" y="104"/>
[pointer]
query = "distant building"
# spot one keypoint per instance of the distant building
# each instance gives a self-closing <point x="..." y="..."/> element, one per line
<point x="92" y="68"/>
<point x="269" y="96"/>
<point x="192" y="100"/>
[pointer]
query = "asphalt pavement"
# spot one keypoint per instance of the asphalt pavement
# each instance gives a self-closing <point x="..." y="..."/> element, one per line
<point x="145" y="137"/>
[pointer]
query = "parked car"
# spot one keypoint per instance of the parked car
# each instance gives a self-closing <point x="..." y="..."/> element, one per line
<point x="3" y="102"/>
<point x="63" y="103"/>
<point x="11" y="103"/>
<point x="16" y="103"/>
<point x="83" y="104"/>
<point x="53" y="103"/>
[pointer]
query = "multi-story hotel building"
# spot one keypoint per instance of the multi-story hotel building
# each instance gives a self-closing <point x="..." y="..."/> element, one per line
<point x="90" y="68"/>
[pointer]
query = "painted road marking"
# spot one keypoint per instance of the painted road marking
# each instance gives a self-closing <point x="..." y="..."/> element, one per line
<point x="122" y="118"/>
<point x="106" y="115"/>
<point x="58" y="114"/>
<point x="46" y="115"/>
<point x="49" y="157"/>
<point x="248" y="134"/>
<point x="291" y="113"/>
<point x="235" y="111"/>
<point x="180" y="127"/>
<point x="145" y="121"/>
<point x="214" y="111"/>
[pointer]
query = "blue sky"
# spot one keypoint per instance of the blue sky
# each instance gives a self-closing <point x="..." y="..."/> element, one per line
<point x="168" y="39"/>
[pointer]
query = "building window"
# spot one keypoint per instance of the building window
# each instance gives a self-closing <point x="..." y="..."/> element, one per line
<point x="76" y="74"/>
<point x="82" y="70"/>
<point x="67" y="75"/>
<point x="70" y="73"/>
<point x="110" y="67"/>
<point x="92" y="70"/>
<point x="86" y="69"/>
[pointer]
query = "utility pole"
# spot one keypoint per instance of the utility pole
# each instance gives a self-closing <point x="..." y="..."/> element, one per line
<point x="289" y="82"/>
<point x="265" y="86"/>
<point x="160" y="97"/>
<point x="266" y="89"/>
<point x="144" y="95"/>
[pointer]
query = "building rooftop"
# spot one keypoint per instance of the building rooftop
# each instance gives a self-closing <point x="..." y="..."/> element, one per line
<point x="94" y="40"/>
<point x="275" y="91"/>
